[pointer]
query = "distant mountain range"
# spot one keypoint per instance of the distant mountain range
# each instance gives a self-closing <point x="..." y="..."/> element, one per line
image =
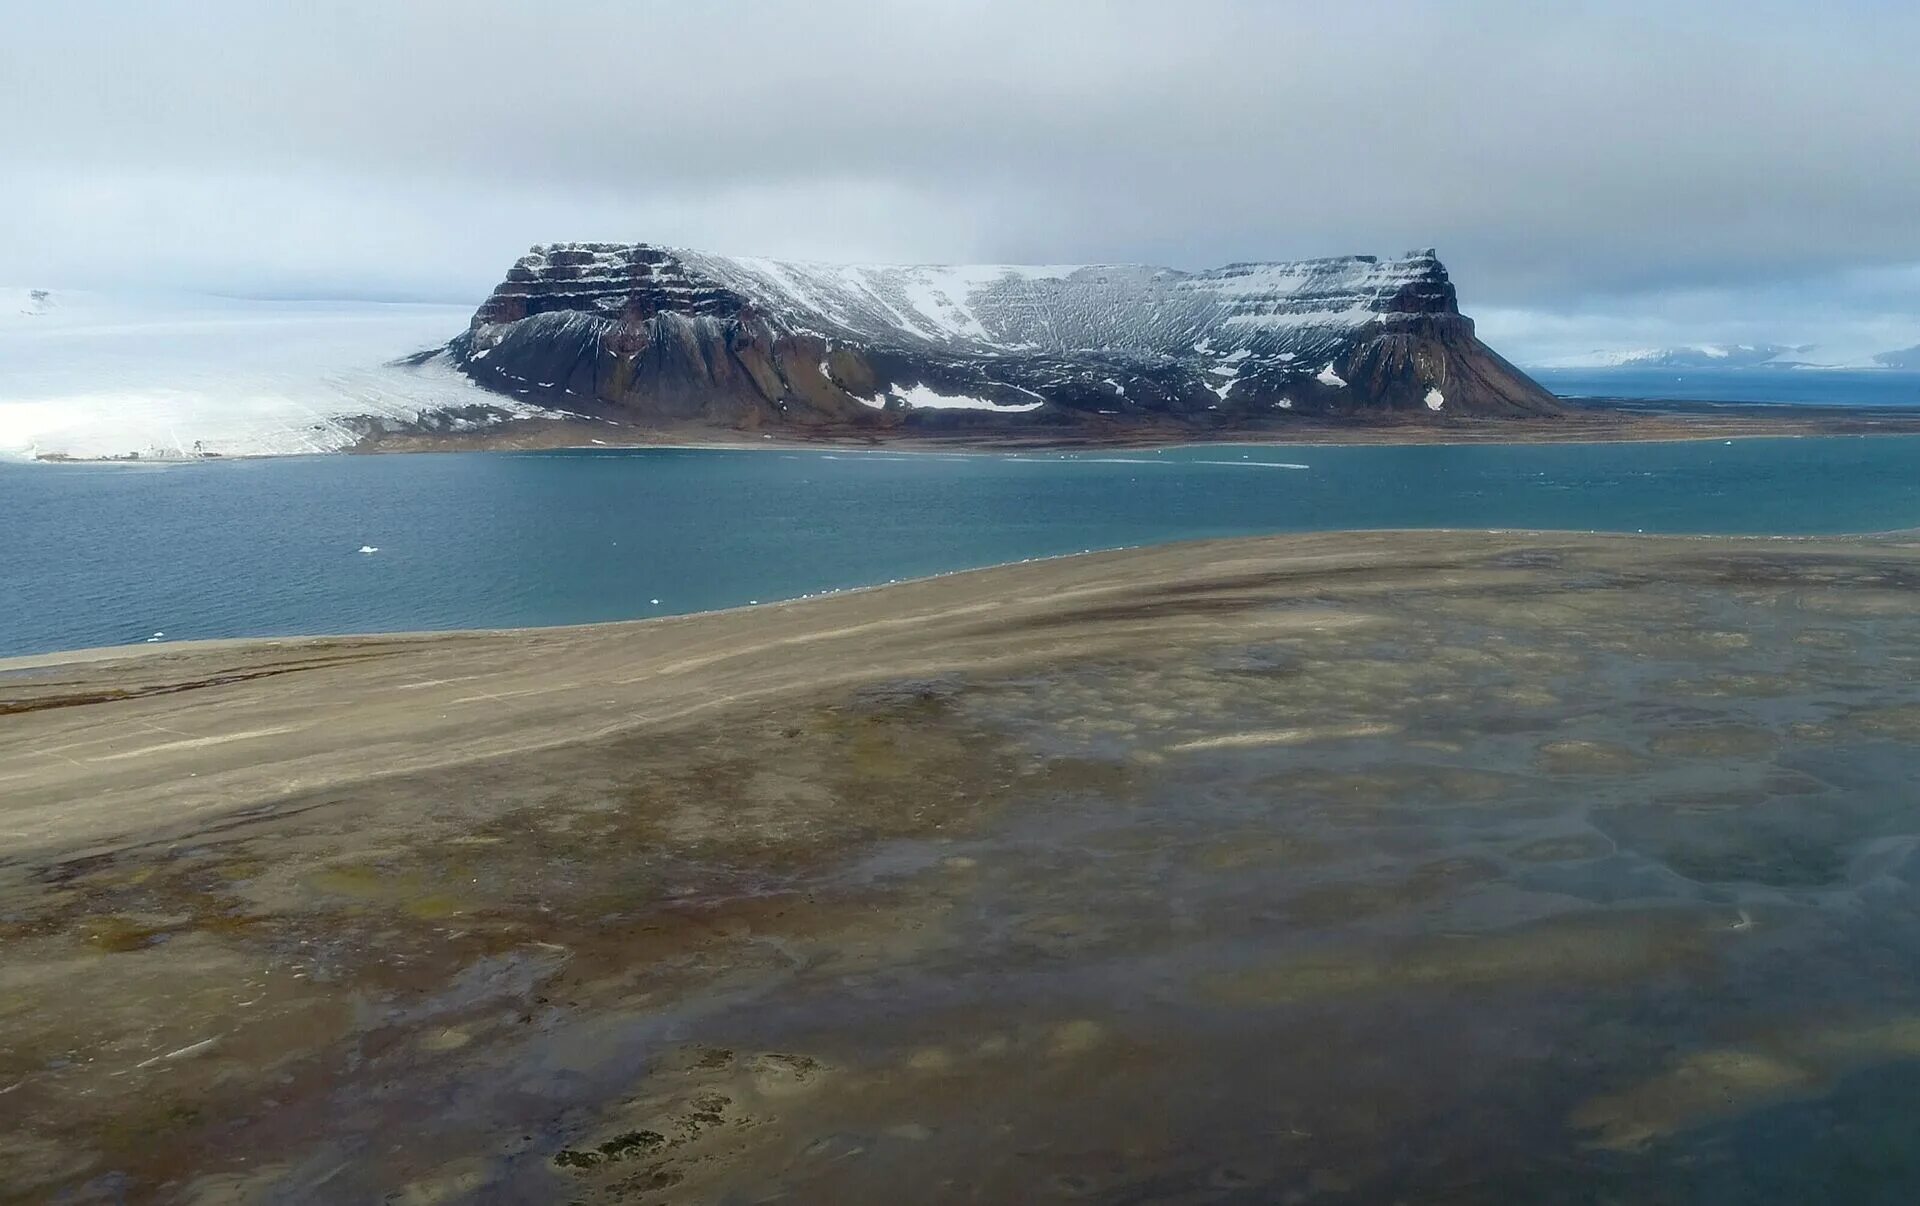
<point x="647" y="335"/>
<point x="1727" y="356"/>
<point x="1705" y="355"/>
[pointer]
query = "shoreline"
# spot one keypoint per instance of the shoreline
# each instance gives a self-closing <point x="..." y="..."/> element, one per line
<point x="682" y="655"/>
<point x="1589" y="421"/>
<point x="27" y="663"/>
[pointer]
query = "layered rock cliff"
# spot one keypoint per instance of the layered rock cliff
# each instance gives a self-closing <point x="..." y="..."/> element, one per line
<point x="648" y="334"/>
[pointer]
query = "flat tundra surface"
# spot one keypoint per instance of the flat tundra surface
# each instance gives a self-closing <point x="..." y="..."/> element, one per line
<point x="1439" y="867"/>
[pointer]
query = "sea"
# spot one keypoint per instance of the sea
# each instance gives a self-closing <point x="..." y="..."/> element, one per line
<point x="1775" y="386"/>
<point x="108" y="554"/>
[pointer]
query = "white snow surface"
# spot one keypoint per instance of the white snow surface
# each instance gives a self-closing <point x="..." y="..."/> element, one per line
<point x="1285" y="309"/>
<point x="170" y="376"/>
<point x="1435" y="399"/>
<point x="925" y="398"/>
<point x="1327" y="376"/>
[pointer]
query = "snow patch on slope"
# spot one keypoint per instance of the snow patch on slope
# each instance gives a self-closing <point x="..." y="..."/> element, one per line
<point x="924" y="398"/>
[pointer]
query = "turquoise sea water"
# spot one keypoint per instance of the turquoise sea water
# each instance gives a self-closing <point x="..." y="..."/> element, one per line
<point x="98" y="555"/>
<point x="1780" y="386"/>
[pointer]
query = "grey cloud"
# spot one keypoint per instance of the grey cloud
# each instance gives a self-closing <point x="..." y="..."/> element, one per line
<point x="1552" y="152"/>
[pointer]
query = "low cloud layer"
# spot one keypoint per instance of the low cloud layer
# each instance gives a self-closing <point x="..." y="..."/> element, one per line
<point x="1727" y="165"/>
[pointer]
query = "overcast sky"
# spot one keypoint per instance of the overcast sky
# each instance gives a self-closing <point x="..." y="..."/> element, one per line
<point x="1593" y="174"/>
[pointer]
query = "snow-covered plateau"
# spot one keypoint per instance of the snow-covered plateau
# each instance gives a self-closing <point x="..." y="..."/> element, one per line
<point x="156" y="376"/>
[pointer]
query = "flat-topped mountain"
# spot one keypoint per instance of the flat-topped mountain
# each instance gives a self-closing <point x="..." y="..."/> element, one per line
<point x="641" y="333"/>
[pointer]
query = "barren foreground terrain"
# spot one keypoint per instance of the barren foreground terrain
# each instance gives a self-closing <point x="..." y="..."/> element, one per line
<point x="1346" y="867"/>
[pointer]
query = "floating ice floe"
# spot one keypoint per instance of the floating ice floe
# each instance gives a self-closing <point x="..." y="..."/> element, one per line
<point x="1243" y="463"/>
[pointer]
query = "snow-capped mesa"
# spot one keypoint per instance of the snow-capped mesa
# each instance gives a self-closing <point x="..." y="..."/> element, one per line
<point x="1905" y="359"/>
<point x="151" y="376"/>
<point x="637" y="333"/>
<point x="1689" y="356"/>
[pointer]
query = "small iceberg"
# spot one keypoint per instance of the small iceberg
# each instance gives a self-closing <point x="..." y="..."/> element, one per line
<point x="367" y="548"/>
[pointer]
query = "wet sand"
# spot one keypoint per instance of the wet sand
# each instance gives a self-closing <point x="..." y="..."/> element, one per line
<point x="1439" y="867"/>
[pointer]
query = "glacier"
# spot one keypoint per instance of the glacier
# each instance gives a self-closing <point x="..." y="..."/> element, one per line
<point x="174" y="376"/>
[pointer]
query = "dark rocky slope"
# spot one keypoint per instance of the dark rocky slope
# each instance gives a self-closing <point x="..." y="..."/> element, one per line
<point x="651" y="335"/>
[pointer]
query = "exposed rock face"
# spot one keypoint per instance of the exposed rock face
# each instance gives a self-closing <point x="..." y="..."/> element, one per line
<point x="645" y="333"/>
